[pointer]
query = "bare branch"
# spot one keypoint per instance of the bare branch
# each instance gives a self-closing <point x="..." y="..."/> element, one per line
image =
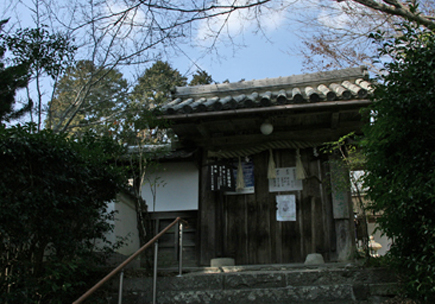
<point x="397" y="8"/>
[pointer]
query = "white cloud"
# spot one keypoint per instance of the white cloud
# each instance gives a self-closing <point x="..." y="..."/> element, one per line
<point x="268" y="17"/>
<point x="333" y="16"/>
<point x="130" y="15"/>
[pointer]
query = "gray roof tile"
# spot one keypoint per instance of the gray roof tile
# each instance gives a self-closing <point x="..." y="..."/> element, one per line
<point x="338" y="85"/>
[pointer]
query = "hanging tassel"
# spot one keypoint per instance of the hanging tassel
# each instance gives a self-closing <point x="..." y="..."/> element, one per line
<point x="271" y="170"/>
<point x="240" y="182"/>
<point x="300" y="171"/>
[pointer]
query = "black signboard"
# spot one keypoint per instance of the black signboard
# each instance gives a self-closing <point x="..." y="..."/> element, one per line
<point x="221" y="177"/>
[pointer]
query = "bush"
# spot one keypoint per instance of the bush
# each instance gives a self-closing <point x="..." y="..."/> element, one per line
<point x="400" y="157"/>
<point x="53" y="208"/>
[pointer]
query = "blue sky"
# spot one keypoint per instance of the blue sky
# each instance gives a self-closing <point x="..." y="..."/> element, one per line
<point x="272" y="52"/>
<point x="241" y="54"/>
<point x="259" y="58"/>
<point x="266" y="55"/>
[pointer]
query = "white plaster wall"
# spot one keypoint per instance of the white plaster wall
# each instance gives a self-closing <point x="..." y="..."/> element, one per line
<point x="111" y="236"/>
<point x="125" y="225"/>
<point x="176" y="186"/>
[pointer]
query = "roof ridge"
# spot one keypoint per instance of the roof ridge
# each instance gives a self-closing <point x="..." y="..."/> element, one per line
<point x="273" y="83"/>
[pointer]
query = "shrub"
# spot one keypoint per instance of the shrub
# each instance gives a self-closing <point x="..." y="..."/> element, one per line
<point x="400" y="157"/>
<point x="53" y="212"/>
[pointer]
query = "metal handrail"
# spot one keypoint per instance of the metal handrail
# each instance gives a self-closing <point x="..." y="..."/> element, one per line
<point x="125" y="263"/>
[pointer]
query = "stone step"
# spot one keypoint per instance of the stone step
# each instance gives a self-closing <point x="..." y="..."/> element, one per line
<point x="332" y="285"/>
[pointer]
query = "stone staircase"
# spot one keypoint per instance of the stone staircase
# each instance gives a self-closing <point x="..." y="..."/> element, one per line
<point x="327" y="283"/>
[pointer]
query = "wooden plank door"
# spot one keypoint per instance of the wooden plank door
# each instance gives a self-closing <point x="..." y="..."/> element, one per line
<point x="251" y="232"/>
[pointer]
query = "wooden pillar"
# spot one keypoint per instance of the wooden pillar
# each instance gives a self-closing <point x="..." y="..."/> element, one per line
<point x="207" y="217"/>
<point x="342" y="210"/>
<point x="326" y="206"/>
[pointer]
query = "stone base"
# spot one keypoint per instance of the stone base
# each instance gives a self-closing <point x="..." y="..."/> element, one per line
<point x="314" y="259"/>
<point x="322" y="284"/>
<point x="221" y="262"/>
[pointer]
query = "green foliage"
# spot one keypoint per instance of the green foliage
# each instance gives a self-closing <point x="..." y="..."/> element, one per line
<point x="139" y="125"/>
<point x="156" y="83"/>
<point x="400" y="156"/>
<point x="347" y="159"/>
<point x="347" y="148"/>
<point x="96" y="96"/>
<point x="12" y="78"/>
<point x="54" y="193"/>
<point x="41" y="50"/>
<point x="30" y="52"/>
<point x="201" y="77"/>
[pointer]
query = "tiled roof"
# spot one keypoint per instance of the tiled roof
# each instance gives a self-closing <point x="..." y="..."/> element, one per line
<point x="339" y="85"/>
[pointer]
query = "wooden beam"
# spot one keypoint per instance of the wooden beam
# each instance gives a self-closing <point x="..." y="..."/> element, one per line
<point x="203" y="130"/>
<point x="335" y="119"/>
<point x="318" y="134"/>
<point x="250" y="124"/>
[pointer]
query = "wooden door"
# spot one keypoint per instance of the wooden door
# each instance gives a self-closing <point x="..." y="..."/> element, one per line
<point x="250" y="230"/>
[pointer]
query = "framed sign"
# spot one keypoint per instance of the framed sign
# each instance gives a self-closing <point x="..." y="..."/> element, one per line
<point x="286" y="208"/>
<point x="285" y="180"/>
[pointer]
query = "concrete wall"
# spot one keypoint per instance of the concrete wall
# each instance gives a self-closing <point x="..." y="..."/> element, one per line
<point x="176" y="187"/>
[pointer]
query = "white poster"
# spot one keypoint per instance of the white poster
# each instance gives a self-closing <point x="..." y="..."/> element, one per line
<point x="286" y="208"/>
<point x="285" y="180"/>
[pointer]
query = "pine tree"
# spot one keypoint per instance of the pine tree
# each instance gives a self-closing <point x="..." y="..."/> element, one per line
<point x="155" y="85"/>
<point x="102" y="91"/>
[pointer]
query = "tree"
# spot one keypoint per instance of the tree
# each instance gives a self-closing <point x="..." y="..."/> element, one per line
<point x="32" y="53"/>
<point x="200" y="77"/>
<point x="141" y="129"/>
<point x="337" y="36"/>
<point x="134" y="33"/>
<point x="400" y="157"/>
<point x="153" y="89"/>
<point x="105" y="100"/>
<point x="127" y="34"/>
<point x="54" y="193"/>
<point x="415" y="11"/>
<point x="155" y="85"/>
<point x="12" y="78"/>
